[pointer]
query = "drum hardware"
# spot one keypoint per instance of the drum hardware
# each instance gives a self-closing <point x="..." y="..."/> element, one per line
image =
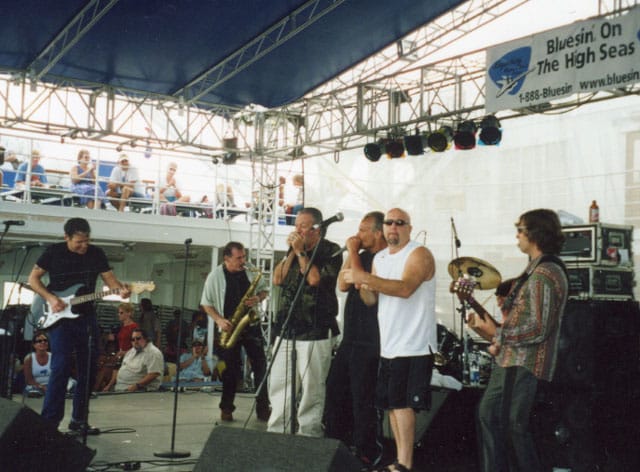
<point x="482" y="276"/>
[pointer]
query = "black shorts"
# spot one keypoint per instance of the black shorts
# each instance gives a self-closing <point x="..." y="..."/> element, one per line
<point x="404" y="382"/>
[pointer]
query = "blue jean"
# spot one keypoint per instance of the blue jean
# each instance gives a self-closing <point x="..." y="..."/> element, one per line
<point x="66" y="338"/>
<point x="505" y="439"/>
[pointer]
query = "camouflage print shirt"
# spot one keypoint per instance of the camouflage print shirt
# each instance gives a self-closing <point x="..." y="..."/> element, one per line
<point x="314" y="315"/>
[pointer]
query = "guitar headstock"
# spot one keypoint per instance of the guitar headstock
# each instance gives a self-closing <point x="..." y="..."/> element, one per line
<point x="139" y="287"/>
<point x="463" y="287"/>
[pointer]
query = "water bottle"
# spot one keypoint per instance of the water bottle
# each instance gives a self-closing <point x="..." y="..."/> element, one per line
<point x="465" y="369"/>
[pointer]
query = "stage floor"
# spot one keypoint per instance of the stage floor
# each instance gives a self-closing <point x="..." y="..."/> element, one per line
<point x="134" y="426"/>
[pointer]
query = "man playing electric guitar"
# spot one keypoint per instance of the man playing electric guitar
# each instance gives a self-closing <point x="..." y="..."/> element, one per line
<point x="72" y="262"/>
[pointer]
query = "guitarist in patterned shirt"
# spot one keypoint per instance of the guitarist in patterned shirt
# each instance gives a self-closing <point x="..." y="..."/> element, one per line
<point x="525" y="347"/>
<point x="72" y="263"/>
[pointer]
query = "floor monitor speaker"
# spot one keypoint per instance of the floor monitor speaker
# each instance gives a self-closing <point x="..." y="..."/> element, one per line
<point x="246" y="450"/>
<point x="28" y="443"/>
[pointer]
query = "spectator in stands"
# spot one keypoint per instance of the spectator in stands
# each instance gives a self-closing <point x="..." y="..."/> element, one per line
<point x="150" y="321"/>
<point x="37" y="366"/>
<point x="292" y="209"/>
<point x="11" y="161"/>
<point x="195" y="366"/>
<point x="38" y="174"/>
<point x="169" y="191"/>
<point x="124" y="183"/>
<point x="83" y="181"/>
<point x="171" y="334"/>
<point x="141" y="367"/>
<point x="199" y="325"/>
<point x="224" y="200"/>
<point x="127" y="326"/>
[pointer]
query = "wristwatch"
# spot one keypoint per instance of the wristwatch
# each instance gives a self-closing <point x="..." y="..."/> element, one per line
<point x="301" y="254"/>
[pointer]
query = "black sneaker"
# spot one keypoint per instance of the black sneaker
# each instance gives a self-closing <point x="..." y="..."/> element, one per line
<point x="79" y="427"/>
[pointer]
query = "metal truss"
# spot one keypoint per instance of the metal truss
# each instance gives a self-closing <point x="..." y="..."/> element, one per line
<point x="68" y="37"/>
<point x="279" y="33"/>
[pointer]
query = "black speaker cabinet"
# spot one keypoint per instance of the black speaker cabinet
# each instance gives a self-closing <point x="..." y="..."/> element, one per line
<point x="28" y="443"/>
<point x="587" y="417"/>
<point x="240" y="450"/>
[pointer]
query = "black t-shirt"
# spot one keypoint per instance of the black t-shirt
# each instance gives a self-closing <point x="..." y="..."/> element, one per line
<point x="360" y="320"/>
<point x="66" y="268"/>
<point x="237" y="285"/>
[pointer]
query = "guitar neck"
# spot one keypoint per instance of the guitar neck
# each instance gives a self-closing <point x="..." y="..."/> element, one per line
<point x="89" y="297"/>
<point x="479" y="309"/>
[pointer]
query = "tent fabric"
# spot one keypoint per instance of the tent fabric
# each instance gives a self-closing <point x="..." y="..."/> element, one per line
<point x="159" y="46"/>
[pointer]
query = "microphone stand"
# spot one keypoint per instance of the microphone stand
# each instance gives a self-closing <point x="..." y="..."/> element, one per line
<point x="172" y="453"/>
<point x="285" y="327"/>
<point x="463" y="315"/>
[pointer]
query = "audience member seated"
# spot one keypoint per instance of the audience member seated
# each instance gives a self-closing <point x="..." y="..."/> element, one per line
<point x="224" y="200"/>
<point x="83" y="181"/>
<point x="124" y="183"/>
<point x="150" y="321"/>
<point x="142" y="366"/>
<point x="11" y="161"/>
<point x="171" y="334"/>
<point x="292" y="209"/>
<point x="199" y="325"/>
<point x="127" y="326"/>
<point x="169" y="191"/>
<point x="38" y="174"/>
<point x="195" y="366"/>
<point x="37" y="366"/>
<point x="108" y="360"/>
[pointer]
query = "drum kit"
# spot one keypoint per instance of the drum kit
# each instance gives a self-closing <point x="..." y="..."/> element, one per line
<point x="449" y="359"/>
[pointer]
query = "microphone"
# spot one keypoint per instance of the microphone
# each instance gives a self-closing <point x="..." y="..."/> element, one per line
<point x="337" y="217"/>
<point x="339" y="251"/>
<point x="13" y="222"/>
<point x="188" y="241"/>
<point x="455" y="233"/>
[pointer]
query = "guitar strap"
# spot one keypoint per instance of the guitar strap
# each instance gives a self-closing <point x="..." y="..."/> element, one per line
<point x="508" y="302"/>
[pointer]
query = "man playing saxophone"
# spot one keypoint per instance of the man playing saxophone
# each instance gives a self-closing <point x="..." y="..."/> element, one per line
<point x="230" y="290"/>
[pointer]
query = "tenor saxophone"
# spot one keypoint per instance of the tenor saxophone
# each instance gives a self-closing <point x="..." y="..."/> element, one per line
<point x="242" y="317"/>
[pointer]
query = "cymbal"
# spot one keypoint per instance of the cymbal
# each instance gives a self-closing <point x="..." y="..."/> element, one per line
<point x="484" y="274"/>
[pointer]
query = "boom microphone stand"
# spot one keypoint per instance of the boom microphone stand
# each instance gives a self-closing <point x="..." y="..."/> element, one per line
<point x="464" y="337"/>
<point x="173" y="454"/>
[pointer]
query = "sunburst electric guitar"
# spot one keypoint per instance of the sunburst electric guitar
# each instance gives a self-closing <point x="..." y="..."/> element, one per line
<point x="41" y="310"/>
<point x="484" y="325"/>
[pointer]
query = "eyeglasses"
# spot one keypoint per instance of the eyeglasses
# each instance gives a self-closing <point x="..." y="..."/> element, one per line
<point x="396" y="222"/>
<point x="136" y="338"/>
<point x="521" y="229"/>
<point x="196" y="345"/>
<point x="41" y="341"/>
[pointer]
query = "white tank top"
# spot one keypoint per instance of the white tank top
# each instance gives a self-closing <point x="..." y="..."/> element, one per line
<point x="407" y="325"/>
<point x="40" y="373"/>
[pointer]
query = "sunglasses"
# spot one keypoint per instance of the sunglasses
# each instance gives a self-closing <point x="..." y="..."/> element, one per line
<point x="396" y="222"/>
<point x="41" y="341"/>
<point x="197" y="345"/>
<point x="136" y="338"/>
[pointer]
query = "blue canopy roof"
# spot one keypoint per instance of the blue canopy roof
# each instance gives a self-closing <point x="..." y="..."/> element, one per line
<point x="160" y="46"/>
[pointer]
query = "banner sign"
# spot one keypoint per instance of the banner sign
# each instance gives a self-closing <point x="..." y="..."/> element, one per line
<point x="586" y="56"/>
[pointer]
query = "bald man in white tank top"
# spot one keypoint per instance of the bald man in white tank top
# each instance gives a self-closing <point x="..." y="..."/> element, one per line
<point x="403" y="282"/>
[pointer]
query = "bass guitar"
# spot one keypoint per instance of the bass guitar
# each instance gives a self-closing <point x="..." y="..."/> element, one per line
<point x="42" y="312"/>
<point x="484" y="324"/>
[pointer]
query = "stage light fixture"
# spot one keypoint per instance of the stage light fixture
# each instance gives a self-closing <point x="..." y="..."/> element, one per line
<point x="414" y="144"/>
<point x="490" y="131"/>
<point x="440" y="141"/>
<point x="373" y="151"/>
<point x="465" y="137"/>
<point x="393" y="148"/>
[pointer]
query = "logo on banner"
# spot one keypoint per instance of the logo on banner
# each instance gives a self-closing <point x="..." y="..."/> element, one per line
<point x="510" y="71"/>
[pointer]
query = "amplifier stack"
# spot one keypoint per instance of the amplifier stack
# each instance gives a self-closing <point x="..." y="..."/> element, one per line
<point x="599" y="259"/>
